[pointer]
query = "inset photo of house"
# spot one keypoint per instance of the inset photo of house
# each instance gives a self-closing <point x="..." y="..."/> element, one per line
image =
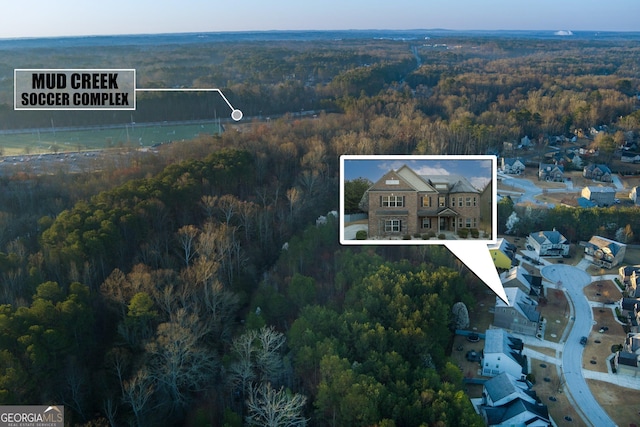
<point x="417" y="199"/>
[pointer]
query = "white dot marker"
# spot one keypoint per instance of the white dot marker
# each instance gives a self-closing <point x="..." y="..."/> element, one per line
<point x="236" y="115"/>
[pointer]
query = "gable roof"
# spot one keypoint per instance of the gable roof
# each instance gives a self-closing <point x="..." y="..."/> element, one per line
<point x="599" y="242"/>
<point x="504" y="385"/>
<point x="500" y="342"/>
<point x="528" y="412"/>
<point x="524" y="305"/>
<point x="553" y="237"/>
<point x="415" y="180"/>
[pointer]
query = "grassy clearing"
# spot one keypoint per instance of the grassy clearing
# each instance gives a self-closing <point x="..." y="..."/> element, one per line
<point x="99" y="138"/>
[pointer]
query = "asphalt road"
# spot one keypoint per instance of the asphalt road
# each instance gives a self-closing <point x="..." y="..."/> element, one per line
<point x="573" y="280"/>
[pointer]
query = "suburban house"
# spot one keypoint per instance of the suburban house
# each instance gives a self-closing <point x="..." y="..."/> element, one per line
<point x="548" y="243"/>
<point x="508" y="401"/>
<point x="630" y="277"/>
<point x="512" y="165"/>
<point x="519" y="277"/>
<point x="502" y="253"/>
<point x="525" y="143"/>
<point x="550" y="172"/>
<point x="629" y="157"/>
<point x="627" y="360"/>
<point x="521" y="315"/>
<point x="604" y="252"/>
<point x="602" y="196"/>
<point x="573" y="158"/>
<point x="630" y="307"/>
<point x="503" y="353"/>
<point x="634" y="195"/>
<point x="597" y="172"/>
<point x="404" y="202"/>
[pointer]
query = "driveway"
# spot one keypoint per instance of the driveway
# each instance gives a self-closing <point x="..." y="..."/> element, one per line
<point x="351" y="230"/>
<point x="573" y="280"/>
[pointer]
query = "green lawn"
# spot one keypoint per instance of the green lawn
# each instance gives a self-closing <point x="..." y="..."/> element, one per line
<point x="77" y="140"/>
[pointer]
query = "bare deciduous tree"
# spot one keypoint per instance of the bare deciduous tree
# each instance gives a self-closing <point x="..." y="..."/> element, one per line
<point x="267" y="407"/>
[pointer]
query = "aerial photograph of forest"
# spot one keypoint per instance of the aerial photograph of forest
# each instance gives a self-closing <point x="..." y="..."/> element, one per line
<point x="174" y="266"/>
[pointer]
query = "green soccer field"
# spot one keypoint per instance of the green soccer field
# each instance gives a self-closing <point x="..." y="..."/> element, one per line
<point x="91" y="139"/>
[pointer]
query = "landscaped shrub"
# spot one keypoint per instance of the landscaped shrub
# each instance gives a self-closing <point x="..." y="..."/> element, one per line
<point x="441" y="236"/>
<point x="475" y="233"/>
<point x="463" y="232"/>
<point x="406" y="237"/>
<point x="361" y="235"/>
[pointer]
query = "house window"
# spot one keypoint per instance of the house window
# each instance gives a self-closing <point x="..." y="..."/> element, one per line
<point x="468" y="201"/>
<point x="426" y="222"/>
<point x="475" y="222"/>
<point x="459" y="202"/>
<point x="459" y="222"/>
<point x="392" y="201"/>
<point x="468" y="222"/>
<point x="426" y="201"/>
<point x="442" y="201"/>
<point x="475" y="202"/>
<point x="392" y="226"/>
<point x="452" y="202"/>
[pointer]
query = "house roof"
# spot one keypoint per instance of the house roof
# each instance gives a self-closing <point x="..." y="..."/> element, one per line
<point x="600" y="189"/>
<point x="500" y="342"/>
<point x="583" y="202"/>
<point x="527" y="413"/>
<point x="628" y="359"/>
<point x="599" y="242"/>
<point x="553" y="237"/>
<point x="632" y="343"/>
<point x="603" y="168"/>
<point x="415" y="180"/>
<point x="454" y="183"/>
<point x="548" y="167"/>
<point x="524" y="305"/>
<point x="628" y="270"/>
<point x="505" y="384"/>
<point x="519" y="274"/>
<point x="511" y="160"/>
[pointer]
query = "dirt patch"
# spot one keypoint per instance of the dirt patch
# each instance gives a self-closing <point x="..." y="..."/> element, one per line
<point x="554" y="308"/>
<point x="549" y="389"/>
<point x="622" y="404"/>
<point x="598" y="349"/>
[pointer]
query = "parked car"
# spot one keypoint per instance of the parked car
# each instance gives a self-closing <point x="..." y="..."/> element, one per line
<point x="583" y="340"/>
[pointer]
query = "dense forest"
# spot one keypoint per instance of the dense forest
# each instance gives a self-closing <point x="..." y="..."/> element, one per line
<point x="194" y="287"/>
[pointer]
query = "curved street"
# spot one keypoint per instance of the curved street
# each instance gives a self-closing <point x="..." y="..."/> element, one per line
<point x="573" y="280"/>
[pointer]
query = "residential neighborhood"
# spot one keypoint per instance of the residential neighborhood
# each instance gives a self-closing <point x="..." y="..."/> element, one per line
<point x="543" y="270"/>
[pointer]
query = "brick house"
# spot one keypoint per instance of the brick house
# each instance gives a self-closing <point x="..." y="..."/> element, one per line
<point x="404" y="202"/>
<point x="550" y="172"/>
<point x="597" y="172"/>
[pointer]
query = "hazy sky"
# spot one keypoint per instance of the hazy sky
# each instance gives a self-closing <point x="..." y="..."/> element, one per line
<point x="43" y="18"/>
<point x="478" y="172"/>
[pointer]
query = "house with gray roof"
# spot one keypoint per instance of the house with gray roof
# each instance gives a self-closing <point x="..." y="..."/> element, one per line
<point x="597" y="172"/>
<point x="519" y="277"/>
<point x="627" y="360"/>
<point x="503" y="353"/>
<point x="404" y="202"/>
<point x="512" y="165"/>
<point x="600" y="195"/>
<point x="604" y="252"/>
<point x="550" y="172"/>
<point x="521" y="315"/>
<point x="548" y="243"/>
<point x="508" y="401"/>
